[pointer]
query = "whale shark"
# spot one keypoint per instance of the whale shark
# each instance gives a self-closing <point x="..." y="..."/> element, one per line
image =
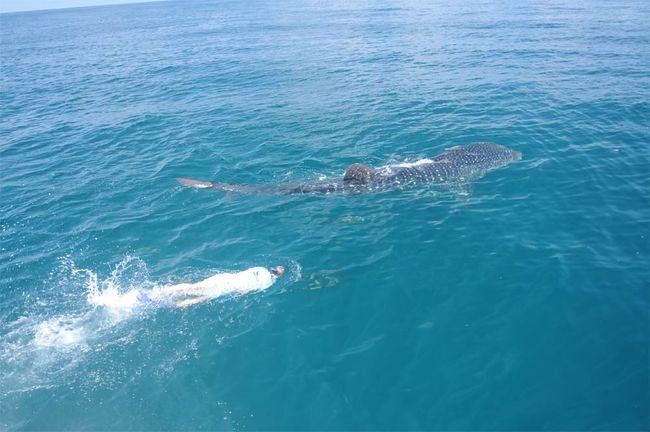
<point x="455" y="168"/>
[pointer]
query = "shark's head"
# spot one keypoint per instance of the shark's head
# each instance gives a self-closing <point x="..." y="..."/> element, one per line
<point x="488" y="155"/>
<point x="516" y="156"/>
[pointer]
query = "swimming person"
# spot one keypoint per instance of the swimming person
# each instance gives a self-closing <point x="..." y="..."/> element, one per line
<point x="188" y="294"/>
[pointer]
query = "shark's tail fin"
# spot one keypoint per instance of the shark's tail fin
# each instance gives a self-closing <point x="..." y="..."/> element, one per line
<point x="200" y="184"/>
<point x="274" y="189"/>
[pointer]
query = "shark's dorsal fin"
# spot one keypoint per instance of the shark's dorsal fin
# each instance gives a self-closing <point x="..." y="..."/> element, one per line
<point x="359" y="174"/>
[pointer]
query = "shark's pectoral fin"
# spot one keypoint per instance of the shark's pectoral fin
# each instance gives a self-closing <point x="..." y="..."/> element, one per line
<point x="462" y="190"/>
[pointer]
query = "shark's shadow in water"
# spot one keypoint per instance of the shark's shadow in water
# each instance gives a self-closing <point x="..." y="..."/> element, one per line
<point x="456" y="167"/>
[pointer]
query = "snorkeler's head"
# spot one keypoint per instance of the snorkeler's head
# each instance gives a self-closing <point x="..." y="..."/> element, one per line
<point x="277" y="271"/>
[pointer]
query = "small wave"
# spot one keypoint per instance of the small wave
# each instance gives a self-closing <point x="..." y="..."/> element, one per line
<point x="295" y="270"/>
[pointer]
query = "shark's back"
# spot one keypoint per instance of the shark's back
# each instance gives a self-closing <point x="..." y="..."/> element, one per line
<point x="479" y="155"/>
<point x="456" y="164"/>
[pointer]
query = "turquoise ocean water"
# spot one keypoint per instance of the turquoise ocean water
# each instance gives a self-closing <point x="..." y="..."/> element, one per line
<point x="522" y="307"/>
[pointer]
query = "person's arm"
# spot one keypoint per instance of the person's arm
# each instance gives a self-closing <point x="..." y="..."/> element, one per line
<point x="189" y="302"/>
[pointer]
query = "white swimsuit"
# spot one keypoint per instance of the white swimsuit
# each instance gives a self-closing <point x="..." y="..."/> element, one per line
<point x="253" y="279"/>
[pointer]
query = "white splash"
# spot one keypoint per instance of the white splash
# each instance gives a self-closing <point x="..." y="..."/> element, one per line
<point x="60" y="332"/>
<point x="111" y="301"/>
<point x="72" y="319"/>
<point x="118" y="300"/>
<point x="412" y="164"/>
<point x="389" y="169"/>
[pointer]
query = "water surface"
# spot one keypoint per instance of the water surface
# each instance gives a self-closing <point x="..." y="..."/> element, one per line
<point x="522" y="307"/>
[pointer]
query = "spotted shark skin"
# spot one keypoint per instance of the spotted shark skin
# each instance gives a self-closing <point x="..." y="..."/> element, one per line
<point x="458" y="165"/>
